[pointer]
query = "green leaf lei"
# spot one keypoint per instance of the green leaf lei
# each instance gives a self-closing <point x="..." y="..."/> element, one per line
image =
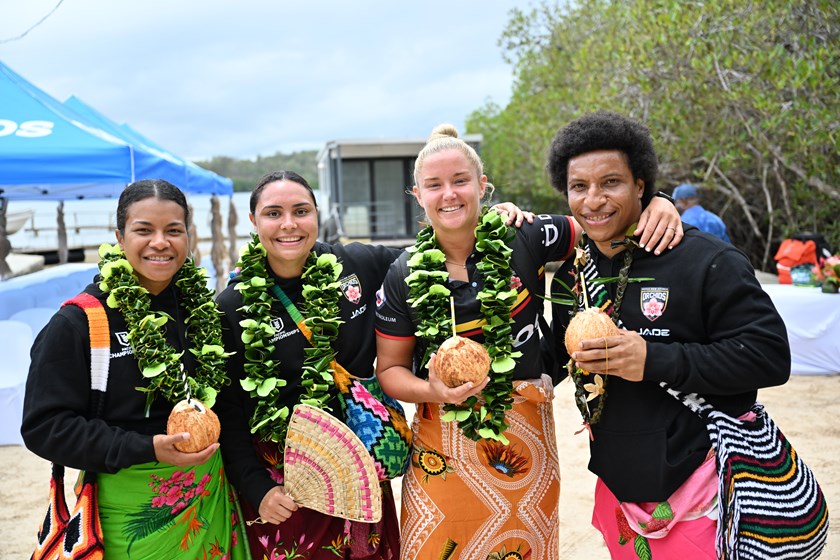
<point x="321" y="293"/>
<point x="159" y="362"/>
<point x="429" y="297"/>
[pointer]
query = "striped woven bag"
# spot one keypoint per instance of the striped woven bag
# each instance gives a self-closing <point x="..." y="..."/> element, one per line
<point x="770" y="505"/>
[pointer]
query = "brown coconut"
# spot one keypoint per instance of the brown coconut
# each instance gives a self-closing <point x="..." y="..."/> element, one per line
<point x="201" y="423"/>
<point x="460" y="360"/>
<point x="591" y="323"/>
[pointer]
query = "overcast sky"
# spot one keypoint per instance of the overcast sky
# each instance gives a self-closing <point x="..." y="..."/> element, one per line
<point x="256" y="77"/>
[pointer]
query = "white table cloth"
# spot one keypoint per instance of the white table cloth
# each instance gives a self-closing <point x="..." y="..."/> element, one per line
<point x="812" y="319"/>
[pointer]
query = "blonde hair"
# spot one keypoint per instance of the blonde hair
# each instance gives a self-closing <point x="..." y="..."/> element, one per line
<point x="445" y="137"/>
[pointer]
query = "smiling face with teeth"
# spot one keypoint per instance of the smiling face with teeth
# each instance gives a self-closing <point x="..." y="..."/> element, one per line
<point x="286" y="221"/>
<point x="155" y="241"/>
<point x="604" y="197"/>
<point x="450" y="191"/>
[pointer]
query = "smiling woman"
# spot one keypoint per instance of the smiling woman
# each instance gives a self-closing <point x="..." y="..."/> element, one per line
<point x="717" y="335"/>
<point x="161" y="335"/>
<point x="267" y="309"/>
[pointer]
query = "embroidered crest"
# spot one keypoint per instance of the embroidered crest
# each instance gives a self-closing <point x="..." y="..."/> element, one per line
<point x="653" y="302"/>
<point x="351" y="288"/>
<point x="122" y="338"/>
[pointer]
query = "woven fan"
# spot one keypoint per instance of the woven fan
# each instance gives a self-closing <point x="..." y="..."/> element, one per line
<point x="327" y="468"/>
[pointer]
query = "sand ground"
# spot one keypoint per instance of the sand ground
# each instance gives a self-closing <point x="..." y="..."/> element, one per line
<point x="806" y="409"/>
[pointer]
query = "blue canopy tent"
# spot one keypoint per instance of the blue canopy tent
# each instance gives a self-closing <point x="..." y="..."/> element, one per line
<point x="49" y="151"/>
<point x="197" y="179"/>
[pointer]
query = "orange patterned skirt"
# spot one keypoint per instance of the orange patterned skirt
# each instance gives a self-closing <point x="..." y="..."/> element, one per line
<point x="463" y="499"/>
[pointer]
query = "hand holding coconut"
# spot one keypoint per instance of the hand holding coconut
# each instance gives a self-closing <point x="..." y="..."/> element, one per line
<point x="598" y="346"/>
<point x="192" y="435"/>
<point x="460" y="363"/>
<point x="456" y="393"/>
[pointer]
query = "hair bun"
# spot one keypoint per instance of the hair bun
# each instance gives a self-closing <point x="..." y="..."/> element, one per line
<point x="444" y="130"/>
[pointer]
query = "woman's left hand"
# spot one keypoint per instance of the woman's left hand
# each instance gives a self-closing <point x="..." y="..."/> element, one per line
<point x="660" y="226"/>
<point x="515" y="215"/>
<point x="622" y="355"/>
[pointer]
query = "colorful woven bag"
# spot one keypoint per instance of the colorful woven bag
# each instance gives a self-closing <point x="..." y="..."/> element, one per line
<point x="377" y="419"/>
<point x="770" y="505"/>
<point x="77" y="535"/>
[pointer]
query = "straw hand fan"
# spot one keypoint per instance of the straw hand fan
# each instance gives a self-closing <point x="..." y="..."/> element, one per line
<point x="327" y="468"/>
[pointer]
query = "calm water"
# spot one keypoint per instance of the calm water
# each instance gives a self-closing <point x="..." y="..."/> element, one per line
<point x="96" y="221"/>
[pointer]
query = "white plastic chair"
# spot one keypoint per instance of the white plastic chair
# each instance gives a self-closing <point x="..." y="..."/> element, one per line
<point x="15" y="343"/>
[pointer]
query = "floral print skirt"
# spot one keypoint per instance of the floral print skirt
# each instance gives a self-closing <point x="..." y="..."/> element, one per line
<point x="311" y="535"/>
<point x="153" y="511"/>
<point x="482" y="500"/>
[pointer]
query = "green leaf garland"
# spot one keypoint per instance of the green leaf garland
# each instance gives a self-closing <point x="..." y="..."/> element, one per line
<point x="270" y="417"/>
<point x="158" y="361"/>
<point x="321" y="293"/>
<point x="429" y="297"/>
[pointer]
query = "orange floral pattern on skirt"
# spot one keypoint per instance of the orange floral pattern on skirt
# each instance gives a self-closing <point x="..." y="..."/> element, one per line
<point x="482" y="500"/>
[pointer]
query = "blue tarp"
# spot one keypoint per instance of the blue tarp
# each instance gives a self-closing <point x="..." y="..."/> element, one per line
<point x="48" y="151"/>
<point x="198" y="178"/>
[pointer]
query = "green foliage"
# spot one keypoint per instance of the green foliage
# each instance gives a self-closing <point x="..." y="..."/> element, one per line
<point x="246" y="173"/>
<point x="740" y="95"/>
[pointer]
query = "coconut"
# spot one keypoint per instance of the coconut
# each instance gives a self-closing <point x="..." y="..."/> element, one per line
<point x="460" y="360"/>
<point x="194" y="417"/>
<point x="591" y="323"/>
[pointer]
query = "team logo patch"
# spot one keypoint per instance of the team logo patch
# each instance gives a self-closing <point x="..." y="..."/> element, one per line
<point x="654" y="301"/>
<point x="380" y="298"/>
<point x="122" y="338"/>
<point x="351" y="288"/>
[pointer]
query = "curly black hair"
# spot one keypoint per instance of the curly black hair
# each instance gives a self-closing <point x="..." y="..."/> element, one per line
<point x="604" y="130"/>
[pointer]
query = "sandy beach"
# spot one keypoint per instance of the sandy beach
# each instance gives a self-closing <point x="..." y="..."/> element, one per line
<point x="806" y="409"/>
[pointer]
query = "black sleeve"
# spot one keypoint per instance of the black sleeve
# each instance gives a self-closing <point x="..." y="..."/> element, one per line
<point x="393" y="316"/>
<point x="233" y="406"/>
<point x="379" y="257"/>
<point x="747" y="346"/>
<point x="57" y="404"/>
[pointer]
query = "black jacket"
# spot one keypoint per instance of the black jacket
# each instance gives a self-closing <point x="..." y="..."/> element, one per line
<point x="56" y="406"/>
<point x="718" y="335"/>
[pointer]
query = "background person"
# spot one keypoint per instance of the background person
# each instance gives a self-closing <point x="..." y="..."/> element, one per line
<point x="154" y="501"/>
<point x="688" y="203"/>
<point x="699" y="322"/>
<point x="466" y="492"/>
